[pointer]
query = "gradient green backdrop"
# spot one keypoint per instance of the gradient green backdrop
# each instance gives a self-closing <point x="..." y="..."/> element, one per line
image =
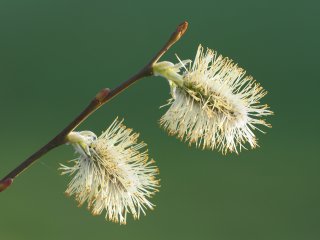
<point x="56" y="54"/>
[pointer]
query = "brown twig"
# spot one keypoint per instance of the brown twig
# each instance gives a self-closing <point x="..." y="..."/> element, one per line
<point x="101" y="98"/>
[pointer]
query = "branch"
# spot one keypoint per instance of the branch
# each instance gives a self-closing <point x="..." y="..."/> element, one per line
<point x="100" y="99"/>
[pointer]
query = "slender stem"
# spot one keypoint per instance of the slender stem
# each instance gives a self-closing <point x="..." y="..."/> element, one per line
<point x="175" y="36"/>
<point x="100" y="99"/>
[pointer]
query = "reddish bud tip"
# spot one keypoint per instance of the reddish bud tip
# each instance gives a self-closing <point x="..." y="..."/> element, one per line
<point x="4" y="184"/>
<point x="102" y="94"/>
<point x="182" y="28"/>
<point x="178" y="33"/>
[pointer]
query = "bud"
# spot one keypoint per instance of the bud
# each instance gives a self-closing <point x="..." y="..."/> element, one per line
<point x="102" y="94"/>
<point x="4" y="184"/>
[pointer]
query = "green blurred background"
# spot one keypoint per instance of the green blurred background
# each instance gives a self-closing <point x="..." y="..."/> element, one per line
<point x="56" y="54"/>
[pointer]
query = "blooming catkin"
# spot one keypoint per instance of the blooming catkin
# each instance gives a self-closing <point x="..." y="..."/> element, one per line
<point x="214" y="104"/>
<point x="111" y="173"/>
